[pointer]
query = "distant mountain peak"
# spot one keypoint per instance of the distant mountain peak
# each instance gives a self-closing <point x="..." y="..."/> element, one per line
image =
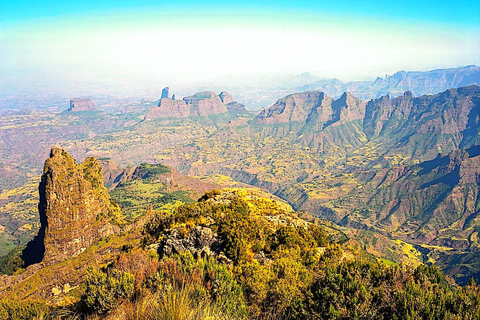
<point x="418" y="82"/>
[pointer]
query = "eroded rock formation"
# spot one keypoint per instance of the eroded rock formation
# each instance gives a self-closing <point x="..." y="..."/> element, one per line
<point x="75" y="209"/>
<point x="82" y="104"/>
<point x="165" y="93"/>
<point x="200" y="104"/>
<point x="313" y="107"/>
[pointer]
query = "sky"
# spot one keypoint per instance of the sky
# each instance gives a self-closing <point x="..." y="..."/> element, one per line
<point x="193" y="41"/>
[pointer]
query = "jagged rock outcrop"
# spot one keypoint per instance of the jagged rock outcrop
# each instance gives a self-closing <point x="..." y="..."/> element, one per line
<point x="165" y="93"/>
<point x="200" y="241"/>
<point x="200" y="104"/>
<point x="75" y="209"/>
<point x="82" y="104"/>
<point x="209" y="238"/>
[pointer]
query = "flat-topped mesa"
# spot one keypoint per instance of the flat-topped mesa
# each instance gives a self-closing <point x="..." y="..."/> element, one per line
<point x="75" y="209"/>
<point x="200" y="104"/>
<point x="168" y="108"/>
<point x="82" y="104"/>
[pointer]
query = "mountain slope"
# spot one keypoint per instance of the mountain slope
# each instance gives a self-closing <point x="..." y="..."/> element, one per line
<point x="233" y="254"/>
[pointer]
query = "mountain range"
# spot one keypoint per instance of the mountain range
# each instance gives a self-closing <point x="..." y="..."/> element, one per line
<point x="362" y="165"/>
<point x="418" y="82"/>
<point x="394" y="180"/>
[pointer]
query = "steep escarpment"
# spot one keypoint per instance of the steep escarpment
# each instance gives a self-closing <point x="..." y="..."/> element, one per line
<point x="75" y="209"/>
<point x="429" y="82"/>
<point x="314" y="110"/>
<point x="316" y="120"/>
<point x="436" y="202"/>
<point x="296" y="108"/>
<point x="422" y="126"/>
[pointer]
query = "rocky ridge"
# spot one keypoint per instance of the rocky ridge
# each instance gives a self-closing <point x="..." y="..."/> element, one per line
<point x="200" y="104"/>
<point x="113" y="175"/>
<point x="313" y="106"/>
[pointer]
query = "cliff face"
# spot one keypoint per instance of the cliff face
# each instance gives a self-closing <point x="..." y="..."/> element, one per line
<point x="226" y="97"/>
<point x="293" y="108"/>
<point x="169" y="108"/>
<point x="313" y="108"/>
<point x="236" y="107"/>
<point x="205" y="103"/>
<point x="75" y="209"/>
<point x="200" y="104"/>
<point x="446" y="113"/>
<point x="82" y="104"/>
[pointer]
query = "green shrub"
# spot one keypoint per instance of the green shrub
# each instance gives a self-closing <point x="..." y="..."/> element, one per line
<point x="153" y="169"/>
<point x="12" y="261"/>
<point x="25" y="309"/>
<point x="103" y="290"/>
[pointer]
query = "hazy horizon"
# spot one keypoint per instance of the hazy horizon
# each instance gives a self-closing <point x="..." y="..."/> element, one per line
<point x="47" y="45"/>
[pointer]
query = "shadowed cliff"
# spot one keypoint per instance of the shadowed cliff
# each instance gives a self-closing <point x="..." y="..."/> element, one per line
<point x="75" y="209"/>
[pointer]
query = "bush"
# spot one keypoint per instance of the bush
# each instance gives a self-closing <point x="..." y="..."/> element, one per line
<point x="12" y="261"/>
<point x="20" y="310"/>
<point x="153" y="169"/>
<point x="103" y="290"/>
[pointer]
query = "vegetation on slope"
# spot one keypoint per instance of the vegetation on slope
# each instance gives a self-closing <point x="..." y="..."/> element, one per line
<point x="264" y="262"/>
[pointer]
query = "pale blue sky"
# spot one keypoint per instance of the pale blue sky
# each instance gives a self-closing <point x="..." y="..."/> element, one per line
<point x="458" y="12"/>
